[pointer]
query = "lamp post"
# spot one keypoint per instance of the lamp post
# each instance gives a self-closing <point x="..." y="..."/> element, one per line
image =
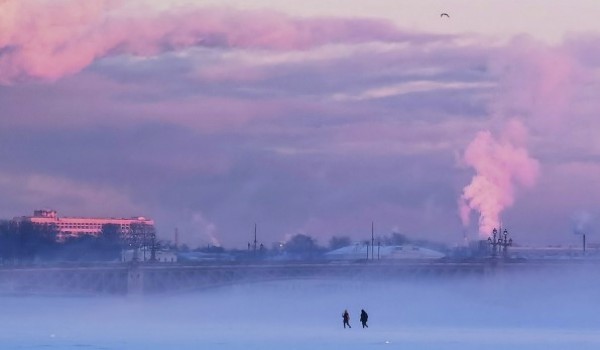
<point x="505" y="243"/>
<point x="499" y="242"/>
<point x="493" y="242"/>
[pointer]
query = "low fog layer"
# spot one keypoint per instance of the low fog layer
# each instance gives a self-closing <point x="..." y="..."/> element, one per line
<point x="552" y="309"/>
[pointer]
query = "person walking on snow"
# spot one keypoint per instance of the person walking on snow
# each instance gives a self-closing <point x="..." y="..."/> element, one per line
<point x="363" y="318"/>
<point x="346" y="317"/>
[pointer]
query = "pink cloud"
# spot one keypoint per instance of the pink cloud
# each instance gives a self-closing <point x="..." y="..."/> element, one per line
<point x="231" y="72"/>
<point x="536" y="81"/>
<point x="49" y="40"/>
<point x="34" y="190"/>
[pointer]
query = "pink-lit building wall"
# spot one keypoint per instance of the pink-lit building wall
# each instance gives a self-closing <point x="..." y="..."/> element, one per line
<point x="75" y="226"/>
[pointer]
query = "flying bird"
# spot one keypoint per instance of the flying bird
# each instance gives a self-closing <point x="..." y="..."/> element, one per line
<point x="445" y="14"/>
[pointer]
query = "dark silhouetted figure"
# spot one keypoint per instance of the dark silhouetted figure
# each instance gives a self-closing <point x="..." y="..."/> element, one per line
<point x="364" y="317"/>
<point x="346" y="317"/>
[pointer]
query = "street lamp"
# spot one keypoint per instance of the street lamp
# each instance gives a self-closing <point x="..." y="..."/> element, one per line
<point x="500" y="241"/>
<point x="505" y="243"/>
<point x="493" y="241"/>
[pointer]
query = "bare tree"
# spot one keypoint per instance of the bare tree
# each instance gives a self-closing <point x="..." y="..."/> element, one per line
<point x="339" y="242"/>
<point x="140" y="237"/>
<point x="303" y="245"/>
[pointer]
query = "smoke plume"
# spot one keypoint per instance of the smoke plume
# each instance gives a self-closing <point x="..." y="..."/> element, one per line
<point x="582" y="222"/>
<point x="206" y="229"/>
<point x="502" y="164"/>
<point x="535" y="84"/>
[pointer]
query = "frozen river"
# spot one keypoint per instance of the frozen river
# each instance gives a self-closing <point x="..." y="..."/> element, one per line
<point x="553" y="310"/>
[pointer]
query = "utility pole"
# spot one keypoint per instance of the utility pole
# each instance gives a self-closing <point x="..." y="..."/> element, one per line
<point x="153" y="248"/>
<point x="372" y="241"/>
<point x="255" y="239"/>
<point x="144" y="238"/>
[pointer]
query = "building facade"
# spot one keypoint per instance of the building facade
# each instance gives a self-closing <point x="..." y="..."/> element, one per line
<point x="76" y="226"/>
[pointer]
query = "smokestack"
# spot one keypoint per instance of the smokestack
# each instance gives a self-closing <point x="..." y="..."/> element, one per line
<point x="584" y="243"/>
<point x="176" y="238"/>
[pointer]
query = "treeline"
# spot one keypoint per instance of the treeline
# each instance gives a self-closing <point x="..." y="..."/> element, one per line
<point x="302" y="246"/>
<point x="301" y="243"/>
<point x="25" y="242"/>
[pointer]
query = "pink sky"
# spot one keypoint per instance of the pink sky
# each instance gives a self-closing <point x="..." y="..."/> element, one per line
<point x="304" y="120"/>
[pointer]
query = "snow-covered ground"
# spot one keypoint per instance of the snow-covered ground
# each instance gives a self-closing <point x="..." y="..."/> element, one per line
<point x="550" y="310"/>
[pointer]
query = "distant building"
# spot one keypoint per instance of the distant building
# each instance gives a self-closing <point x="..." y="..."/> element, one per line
<point x="76" y="226"/>
<point x="161" y="256"/>
<point x="396" y="252"/>
<point x="557" y="252"/>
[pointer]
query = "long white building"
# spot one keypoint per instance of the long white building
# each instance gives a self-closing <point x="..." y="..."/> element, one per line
<point x="75" y="226"/>
<point x="358" y="251"/>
